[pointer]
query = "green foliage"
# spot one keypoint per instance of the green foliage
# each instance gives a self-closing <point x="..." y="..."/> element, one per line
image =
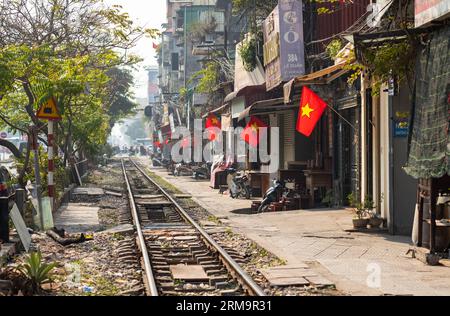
<point x="333" y="49"/>
<point x="351" y="198"/>
<point x="260" y="9"/>
<point x="328" y="6"/>
<point x="119" y="86"/>
<point x="361" y="209"/>
<point x="393" y="60"/>
<point x="198" y="30"/>
<point x="254" y="11"/>
<point x="247" y="51"/>
<point x="208" y="78"/>
<point x="37" y="272"/>
<point x="369" y="204"/>
<point x="329" y="198"/>
<point x="78" y="61"/>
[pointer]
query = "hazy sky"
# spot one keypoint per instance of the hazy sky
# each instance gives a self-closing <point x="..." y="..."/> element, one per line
<point x="150" y="14"/>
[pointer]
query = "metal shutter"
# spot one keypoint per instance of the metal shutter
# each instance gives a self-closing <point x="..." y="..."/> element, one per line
<point x="288" y="141"/>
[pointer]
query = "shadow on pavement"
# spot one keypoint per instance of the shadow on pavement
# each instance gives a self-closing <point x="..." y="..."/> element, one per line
<point x="244" y="211"/>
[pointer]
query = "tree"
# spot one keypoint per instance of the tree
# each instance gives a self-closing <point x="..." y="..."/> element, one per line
<point x="73" y="50"/>
<point x="118" y="88"/>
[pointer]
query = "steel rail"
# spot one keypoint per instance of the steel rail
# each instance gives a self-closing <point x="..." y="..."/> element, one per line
<point x="149" y="278"/>
<point x="247" y="282"/>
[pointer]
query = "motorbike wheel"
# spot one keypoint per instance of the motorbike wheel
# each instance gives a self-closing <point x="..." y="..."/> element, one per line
<point x="247" y="193"/>
<point x="264" y="206"/>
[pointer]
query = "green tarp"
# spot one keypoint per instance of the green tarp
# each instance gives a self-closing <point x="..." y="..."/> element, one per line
<point x="430" y="143"/>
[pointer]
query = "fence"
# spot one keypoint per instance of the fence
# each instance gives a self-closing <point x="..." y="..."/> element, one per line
<point x="79" y="171"/>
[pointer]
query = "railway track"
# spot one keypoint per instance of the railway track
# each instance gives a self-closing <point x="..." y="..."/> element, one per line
<point x="178" y="256"/>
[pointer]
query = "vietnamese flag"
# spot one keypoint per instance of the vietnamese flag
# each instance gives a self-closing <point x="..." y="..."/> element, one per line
<point x="251" y="132"/>
<point x="212" y="122"/>
<point x="311" y="110"/>
<point x="185" y="142"/>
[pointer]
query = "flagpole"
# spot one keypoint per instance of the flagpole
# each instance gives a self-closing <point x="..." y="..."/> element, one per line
<point x="343" y="118"/>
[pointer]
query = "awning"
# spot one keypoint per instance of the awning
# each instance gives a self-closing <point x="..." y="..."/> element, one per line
<point x="266" y="107"/>
<point x="219" y="110"/>
<point x="243" y="91"/>
<point x="322" y="77"/>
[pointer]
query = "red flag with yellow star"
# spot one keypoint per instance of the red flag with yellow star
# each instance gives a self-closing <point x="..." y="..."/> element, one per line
<point x="311" y="110"/>
<point x="212" y="122"/>
<point x="185" y="142"/>
<point x="251" y="132"/>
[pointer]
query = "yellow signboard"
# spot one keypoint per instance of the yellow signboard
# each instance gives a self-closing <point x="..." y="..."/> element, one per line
<point x="49" y="111"/>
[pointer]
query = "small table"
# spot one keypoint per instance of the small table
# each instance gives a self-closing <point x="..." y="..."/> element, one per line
<point x="317" y="179"/>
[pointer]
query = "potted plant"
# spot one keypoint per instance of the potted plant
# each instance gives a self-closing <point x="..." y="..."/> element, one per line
<point x="375" y="220"/>
<point x="360" y="220"/>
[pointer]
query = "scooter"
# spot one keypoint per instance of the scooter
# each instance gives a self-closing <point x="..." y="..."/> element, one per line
<point x="181" y="169"/>
<point x="238" y="184"/>
<point x="273" y="194"/>
<point x="203" y="172"/>
<point x="157" y="161"/>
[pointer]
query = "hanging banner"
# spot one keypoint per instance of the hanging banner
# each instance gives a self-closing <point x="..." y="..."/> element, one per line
<point x="284" y="55"/>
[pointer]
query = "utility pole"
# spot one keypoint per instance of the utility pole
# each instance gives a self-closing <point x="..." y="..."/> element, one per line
<point x="51" y="164"/>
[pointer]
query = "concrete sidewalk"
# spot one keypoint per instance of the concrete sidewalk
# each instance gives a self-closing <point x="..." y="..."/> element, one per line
<point x="358" y="263"/>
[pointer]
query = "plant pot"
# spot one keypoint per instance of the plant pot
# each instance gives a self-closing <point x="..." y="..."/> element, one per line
<point x="359" y="223"/>
<point x="375" y="222"/>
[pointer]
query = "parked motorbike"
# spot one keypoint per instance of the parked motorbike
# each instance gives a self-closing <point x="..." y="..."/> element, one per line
<point x="272" y="195"/>
<point x="203" y="172"/>
<point x="238" y="184"/>
<point x="181" y="169"/>
<point x="157" y="162"/>
<point x="168" y="164"/>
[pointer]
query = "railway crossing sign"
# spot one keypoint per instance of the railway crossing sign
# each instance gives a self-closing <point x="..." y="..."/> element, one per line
<point x="49" y="111"/>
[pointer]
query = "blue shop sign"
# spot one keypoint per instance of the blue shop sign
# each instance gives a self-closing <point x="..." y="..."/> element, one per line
<point x="401" y="129"/>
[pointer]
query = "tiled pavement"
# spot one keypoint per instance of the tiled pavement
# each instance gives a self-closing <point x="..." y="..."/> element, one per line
<point x="359" y="264"/>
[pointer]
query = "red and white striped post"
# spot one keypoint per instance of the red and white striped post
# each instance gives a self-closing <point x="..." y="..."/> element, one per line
<point x="51" y="164"/>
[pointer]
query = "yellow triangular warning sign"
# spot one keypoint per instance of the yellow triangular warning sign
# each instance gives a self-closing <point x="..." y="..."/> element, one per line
<point x="49" y="111"/>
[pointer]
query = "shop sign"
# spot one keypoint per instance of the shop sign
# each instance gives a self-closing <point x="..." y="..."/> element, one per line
<point x="401" y="124"/>
<point x="392" y="87"/>
<point x="284" y="55"/>
<point x="272" y="60"/>
<point x="427" y="11"/>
